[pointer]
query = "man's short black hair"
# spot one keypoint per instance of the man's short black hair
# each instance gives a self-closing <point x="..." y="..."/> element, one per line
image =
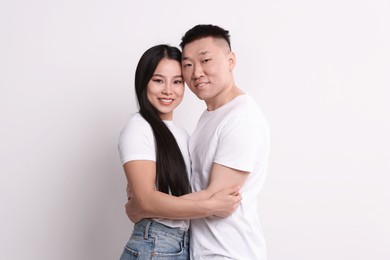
<point x="205" y="30"/>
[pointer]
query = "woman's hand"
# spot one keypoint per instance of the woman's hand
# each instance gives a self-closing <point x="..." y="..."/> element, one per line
<point x="226" y="201"/>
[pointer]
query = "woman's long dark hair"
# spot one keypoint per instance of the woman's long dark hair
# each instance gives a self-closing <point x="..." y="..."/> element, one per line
<point x="171" y="171"/>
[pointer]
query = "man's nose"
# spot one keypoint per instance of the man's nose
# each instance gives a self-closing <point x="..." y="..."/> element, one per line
<point x="198" y="72"/>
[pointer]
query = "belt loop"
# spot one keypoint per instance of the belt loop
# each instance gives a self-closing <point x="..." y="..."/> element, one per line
<point x="185" y="239"/>
<point x="146" y="234"/>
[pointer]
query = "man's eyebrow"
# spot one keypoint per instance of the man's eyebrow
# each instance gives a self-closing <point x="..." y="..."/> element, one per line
<point x="199" y="54"/>
<point x="203" y="52"/>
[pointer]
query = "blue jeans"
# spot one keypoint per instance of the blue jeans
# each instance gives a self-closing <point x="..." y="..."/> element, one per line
<point x="153" y="240"/>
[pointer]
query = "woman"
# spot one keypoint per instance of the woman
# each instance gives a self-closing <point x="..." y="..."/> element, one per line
<point x="156" y="162"/>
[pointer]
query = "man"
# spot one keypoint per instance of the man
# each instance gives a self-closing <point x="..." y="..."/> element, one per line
<point x="230" y="146"/>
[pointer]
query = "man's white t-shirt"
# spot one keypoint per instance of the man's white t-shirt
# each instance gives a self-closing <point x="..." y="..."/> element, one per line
<point x="235" y="135"/>
<point x="136" y="142"/>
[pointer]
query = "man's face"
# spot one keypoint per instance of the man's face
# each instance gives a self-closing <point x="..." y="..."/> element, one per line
<point x="207" y="68"/>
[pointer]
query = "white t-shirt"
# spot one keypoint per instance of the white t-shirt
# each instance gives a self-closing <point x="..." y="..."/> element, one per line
<point x="235" y="135"/>
<point x="136" y="142"/>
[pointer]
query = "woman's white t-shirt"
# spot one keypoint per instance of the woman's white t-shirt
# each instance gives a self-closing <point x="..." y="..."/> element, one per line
<point x="136" y="142"/>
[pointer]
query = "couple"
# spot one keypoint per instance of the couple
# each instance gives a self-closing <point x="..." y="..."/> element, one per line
<point x="214" y="177"/>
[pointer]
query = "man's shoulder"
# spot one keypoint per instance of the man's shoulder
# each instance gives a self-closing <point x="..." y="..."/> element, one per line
<point x="245" y="107"/>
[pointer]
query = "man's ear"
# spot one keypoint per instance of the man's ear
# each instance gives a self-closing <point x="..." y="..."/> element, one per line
<point x="232" y="60"/>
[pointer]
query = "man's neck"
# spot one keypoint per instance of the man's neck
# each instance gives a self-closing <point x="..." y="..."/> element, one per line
<point x="223" y="98"/>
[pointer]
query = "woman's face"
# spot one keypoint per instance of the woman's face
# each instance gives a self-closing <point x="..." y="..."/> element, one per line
<point x="165" y="89"/>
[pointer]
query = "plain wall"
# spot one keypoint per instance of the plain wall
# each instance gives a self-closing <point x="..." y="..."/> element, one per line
<point x="318" y="69"/>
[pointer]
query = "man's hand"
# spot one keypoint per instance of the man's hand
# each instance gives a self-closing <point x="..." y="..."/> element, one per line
<point x="129" y="192"/>
<point x="226" y="201"/>
<point x="133" y="211"/>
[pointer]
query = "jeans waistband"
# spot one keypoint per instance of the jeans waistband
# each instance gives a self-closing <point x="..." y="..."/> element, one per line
<point x="148" y="226"/>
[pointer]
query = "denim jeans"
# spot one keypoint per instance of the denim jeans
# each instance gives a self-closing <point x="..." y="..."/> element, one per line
<point x="153" y="240"/>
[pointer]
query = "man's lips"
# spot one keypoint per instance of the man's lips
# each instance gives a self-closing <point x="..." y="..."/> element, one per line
<point x="200" y="84"/>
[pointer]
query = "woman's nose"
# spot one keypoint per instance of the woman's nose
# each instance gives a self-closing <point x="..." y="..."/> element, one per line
<point x="167" y="89"/>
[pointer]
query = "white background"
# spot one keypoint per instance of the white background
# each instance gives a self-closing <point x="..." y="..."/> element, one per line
<point x="318" y="69"/>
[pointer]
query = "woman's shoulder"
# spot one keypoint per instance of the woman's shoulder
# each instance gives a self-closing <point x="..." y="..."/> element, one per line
<point x="136" y="125"/>
<point x="136" y="120"/>
<point x="177" y="129"/>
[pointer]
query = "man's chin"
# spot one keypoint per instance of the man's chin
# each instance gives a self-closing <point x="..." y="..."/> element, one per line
<point x="199" y="96"/>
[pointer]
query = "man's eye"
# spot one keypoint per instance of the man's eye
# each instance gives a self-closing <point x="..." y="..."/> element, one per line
<point x="206" y="60"/>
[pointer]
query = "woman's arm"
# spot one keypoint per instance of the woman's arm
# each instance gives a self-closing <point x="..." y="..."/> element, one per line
<point x="146" y="201"/>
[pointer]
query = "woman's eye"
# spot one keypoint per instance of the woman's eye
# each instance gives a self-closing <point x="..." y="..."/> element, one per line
<point x="178" y="82"/>
<point x="158" y="80"/>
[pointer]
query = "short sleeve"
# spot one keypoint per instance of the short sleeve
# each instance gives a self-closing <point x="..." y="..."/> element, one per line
<point x="136" y="142"/>
<point x="239" y="145"/>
